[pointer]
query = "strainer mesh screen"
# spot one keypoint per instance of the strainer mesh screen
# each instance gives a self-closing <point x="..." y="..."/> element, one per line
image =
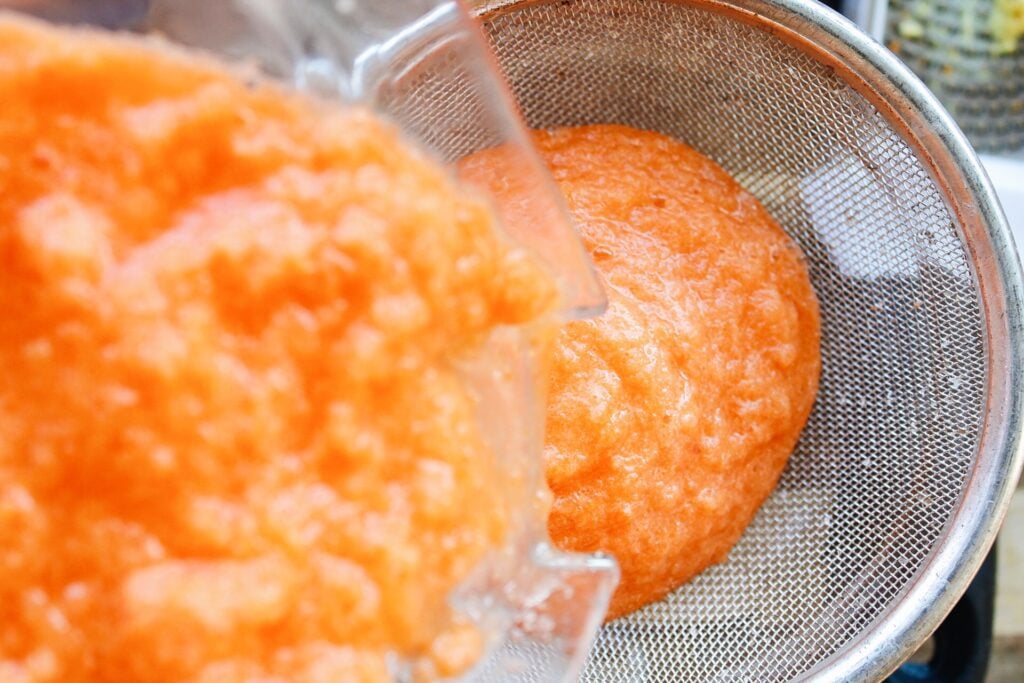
<point x="880" y="467"/>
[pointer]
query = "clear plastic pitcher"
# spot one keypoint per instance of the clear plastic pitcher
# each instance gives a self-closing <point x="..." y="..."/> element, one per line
<point x="422" y="64"/>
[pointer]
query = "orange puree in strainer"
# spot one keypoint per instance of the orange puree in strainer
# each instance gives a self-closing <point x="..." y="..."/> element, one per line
<point x="672" y="416"/>
<point x="233" y="444"/>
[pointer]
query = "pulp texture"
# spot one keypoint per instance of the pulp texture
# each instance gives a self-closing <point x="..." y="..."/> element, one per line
<point x="235" y="443"/>
<point x="672" y="416"/>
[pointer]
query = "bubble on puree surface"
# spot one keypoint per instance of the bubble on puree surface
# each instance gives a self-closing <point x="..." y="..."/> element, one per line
<point x="671" y="417"/>
<point x="234" y="444"/>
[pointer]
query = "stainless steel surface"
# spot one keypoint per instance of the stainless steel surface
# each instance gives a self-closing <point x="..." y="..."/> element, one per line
<point x="951" y="45"/>
<point x="899" y="482"/>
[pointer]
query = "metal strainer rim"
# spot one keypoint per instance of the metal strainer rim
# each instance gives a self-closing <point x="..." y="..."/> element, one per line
<point x="915" y="113"/>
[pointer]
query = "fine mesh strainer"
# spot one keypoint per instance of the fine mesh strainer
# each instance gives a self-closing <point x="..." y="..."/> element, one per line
<point x="903" y="473"/>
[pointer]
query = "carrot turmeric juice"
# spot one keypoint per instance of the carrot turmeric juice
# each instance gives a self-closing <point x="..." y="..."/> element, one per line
<point x="672" y="416"/>
<point x="234" y="444"/>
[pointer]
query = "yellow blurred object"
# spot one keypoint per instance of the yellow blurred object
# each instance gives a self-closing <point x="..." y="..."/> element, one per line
<point x="1007" y="25"/>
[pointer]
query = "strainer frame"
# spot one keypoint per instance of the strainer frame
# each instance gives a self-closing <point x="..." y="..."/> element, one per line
<point x="918" y="117"/>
